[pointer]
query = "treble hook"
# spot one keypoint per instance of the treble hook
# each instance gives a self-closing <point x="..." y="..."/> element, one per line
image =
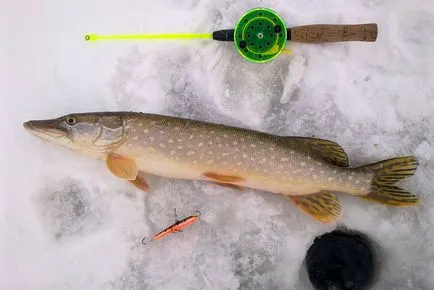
<point x="146" y="243"/>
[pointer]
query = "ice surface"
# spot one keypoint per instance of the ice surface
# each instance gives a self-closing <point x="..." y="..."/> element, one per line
<point x="66" y="223"/>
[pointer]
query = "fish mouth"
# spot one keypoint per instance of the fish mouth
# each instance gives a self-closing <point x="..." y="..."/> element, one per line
<point x="45" y="128"/>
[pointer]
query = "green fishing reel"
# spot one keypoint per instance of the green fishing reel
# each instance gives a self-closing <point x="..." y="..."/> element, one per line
<point x="261" y="35"/>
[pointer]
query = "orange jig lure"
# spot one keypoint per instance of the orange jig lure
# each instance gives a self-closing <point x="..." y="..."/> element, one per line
<point x="175" y="228"/>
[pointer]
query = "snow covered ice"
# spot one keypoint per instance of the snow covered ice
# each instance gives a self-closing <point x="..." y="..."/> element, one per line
<point x="66" y="223"/>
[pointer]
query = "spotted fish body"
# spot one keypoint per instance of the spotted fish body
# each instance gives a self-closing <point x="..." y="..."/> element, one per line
<point x="184" y="149"/>
<point x="305" y="169"/>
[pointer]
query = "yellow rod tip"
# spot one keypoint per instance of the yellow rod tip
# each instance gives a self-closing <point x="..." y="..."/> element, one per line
<point x="90" y="37"/>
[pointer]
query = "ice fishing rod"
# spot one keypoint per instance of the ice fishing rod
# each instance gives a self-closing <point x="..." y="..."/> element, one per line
<point x="261" y="35"/>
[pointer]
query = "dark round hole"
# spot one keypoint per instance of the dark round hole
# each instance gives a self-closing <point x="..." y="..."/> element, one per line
<point x="243" y="44"/>
<point x="268" y="27"/>
<point x="260" y="14"/>
<point x="248" y="35"/>
<point x="260" y="47"/>
<point x="252" y="27"/>
<point x="274" y="19"/>
<point x="344" y="259"/>
<point x="277" y="28"/>
<point x="259" y="55"/>
<point x="252" y="43"/>
<point x="271" y="35"/>
<point x="260" y="23"/>
<point x="268" y="43"/>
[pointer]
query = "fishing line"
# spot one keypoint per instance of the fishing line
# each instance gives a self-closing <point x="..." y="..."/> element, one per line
<point x="149" y="36"/>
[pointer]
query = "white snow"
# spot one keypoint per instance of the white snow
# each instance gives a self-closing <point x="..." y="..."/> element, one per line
<point x="66" y="223"/>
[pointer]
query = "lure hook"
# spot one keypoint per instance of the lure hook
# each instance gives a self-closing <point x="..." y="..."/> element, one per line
<point x="146" y="243"/>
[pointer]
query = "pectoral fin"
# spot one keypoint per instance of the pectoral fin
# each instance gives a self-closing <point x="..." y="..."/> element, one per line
<point x="122" y="167"/>
<point x="323" y="206"/>
<point x="140" y="181"/>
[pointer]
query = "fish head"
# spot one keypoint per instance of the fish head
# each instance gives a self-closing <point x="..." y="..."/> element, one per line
<point x="93" y="134"/>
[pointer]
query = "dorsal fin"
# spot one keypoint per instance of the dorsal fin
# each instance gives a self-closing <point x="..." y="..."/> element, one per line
<point x="327" y="150"/>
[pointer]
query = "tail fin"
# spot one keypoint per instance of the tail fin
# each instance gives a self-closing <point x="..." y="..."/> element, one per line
<point x="388" y="172"/>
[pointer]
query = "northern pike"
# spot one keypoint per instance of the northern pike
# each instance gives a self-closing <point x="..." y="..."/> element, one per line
<point x="306" y="170"/>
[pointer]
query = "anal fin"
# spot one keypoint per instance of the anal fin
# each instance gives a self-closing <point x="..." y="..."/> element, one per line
<point x="323" y="206"/>
<point x="140" y="181"/>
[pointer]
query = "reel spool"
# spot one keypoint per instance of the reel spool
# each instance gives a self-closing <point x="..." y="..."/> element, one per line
<point x="260" y="35"/>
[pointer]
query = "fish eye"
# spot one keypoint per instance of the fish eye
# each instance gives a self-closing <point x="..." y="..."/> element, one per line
<point x="71" y="120"/>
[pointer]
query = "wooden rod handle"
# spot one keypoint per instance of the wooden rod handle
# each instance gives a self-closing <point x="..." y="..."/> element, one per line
<point x="322" y="33"/>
